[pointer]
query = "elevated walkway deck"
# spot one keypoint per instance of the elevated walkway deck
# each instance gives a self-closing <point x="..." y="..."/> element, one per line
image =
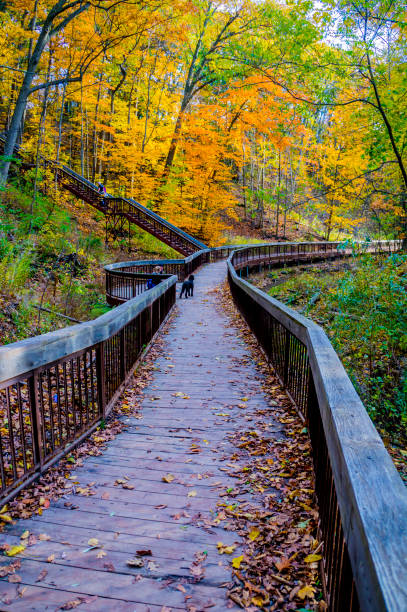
<point x="199" y="379"/>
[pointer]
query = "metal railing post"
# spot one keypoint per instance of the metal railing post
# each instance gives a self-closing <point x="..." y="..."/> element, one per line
<point x="101" y="379"/>
<point x="35" y="419"/>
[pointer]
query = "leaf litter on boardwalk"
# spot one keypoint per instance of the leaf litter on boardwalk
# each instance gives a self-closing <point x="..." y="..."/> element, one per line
<point x="274" y="509"/>
<point x="57" y="482"/>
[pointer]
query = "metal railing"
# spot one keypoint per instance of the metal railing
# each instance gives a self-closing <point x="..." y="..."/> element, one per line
<point x="361" y="498"/>
<point x="56" y="388"/>
<point x="122" y="277"/>
<point x="127" y="207"/>
<point x="275" y="253"/>
<point x="282" y="253"/>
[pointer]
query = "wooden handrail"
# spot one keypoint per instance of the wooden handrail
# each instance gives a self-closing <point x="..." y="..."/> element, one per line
<point x="57" y="387"/>
<point x="362" y="499"/>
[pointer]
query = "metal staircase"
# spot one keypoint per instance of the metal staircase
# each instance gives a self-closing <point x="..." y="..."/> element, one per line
<point x="120" y="213"/>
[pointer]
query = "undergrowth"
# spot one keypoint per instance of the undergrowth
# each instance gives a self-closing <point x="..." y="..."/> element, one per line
<point x="364" y="311"/>
<point x="52" y="255"/>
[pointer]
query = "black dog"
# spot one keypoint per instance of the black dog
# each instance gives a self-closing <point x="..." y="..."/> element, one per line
<point x="188" y="287"/>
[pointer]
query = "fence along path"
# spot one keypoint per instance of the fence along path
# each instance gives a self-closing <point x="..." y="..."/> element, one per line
<point x="203" y="351"/>
<point x="56" y="388"/>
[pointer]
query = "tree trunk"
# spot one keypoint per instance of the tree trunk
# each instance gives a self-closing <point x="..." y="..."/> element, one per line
<point x="278" y="193"/>
<point x="47" y="31"/>
<point x="18" y="113"/>
<point x="61" y="114"/>
<point x="95" y="134"/>
<point x="244" y="183"/>
<point x="174" y="143"/>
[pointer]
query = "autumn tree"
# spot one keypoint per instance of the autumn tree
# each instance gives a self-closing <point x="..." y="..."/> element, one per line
<point x="50" y="22"/>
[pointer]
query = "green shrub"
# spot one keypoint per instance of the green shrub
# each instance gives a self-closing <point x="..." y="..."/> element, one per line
<point x="364" y="311"/>
<point x="16" y="268"/>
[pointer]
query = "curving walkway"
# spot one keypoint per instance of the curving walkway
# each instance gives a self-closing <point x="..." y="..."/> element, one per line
<point x="188" y="410"/>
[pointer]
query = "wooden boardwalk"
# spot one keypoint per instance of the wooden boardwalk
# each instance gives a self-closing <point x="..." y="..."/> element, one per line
<point x="197" y="383"/>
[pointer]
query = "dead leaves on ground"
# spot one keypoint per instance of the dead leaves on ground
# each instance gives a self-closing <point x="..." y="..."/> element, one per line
<point x="196" y="570"/>
<point x="224" y="549"/>
<point x="124" y="483"/>
<point x="56" y="482"/>
<point x="74" y="603"/>
<point x="279" y="524"/>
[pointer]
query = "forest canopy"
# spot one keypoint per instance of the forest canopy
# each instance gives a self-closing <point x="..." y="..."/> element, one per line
<point x="209" y="111"/>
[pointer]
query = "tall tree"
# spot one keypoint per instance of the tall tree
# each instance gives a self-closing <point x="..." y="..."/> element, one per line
<point x="57" y="17"/>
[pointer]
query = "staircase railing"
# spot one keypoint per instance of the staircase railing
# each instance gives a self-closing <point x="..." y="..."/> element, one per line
<point x="132" y="210"/>
<point x="362" y="499"/>
<point x="133" y="207"/>
<point x="121" y="276"/>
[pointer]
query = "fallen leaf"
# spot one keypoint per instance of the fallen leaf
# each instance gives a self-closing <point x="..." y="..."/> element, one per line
<point x="109" y="566"/>
<point x="21" y="591"/>
<point x="306" y="591"/>
<point x="151" y="565"/>
<point x="42" y="575"/>
<point x="237" y="561"/>
<point x="135" y="562"/>
<point x="14" y="550"/>
<point x="43" y="537"/>
<point x="192" y="494"/>
<point x="223" y="549"/>
<point x="283" y="564"/>
<point x="6" y="518"/>
<point x="93" y="542"/>
<point x="51" y="559"/>
<point x="312" y="558"/>
<point x="254" y="534"/>
<point x="101" y="554"/>
<point x="144" y="553"/>
<point x="32" y="539"/>
<point x="14" y="578"/>
<point x="257" y="601"/>
<point x="168" y="478"/>
<point x="197" y="571"/>
<point x="70" y="605"/>
<point x="24" y="535"/>
<point x="44" y="501"/>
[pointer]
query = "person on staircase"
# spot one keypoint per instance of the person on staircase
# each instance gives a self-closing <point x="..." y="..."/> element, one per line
<point x="103" y="193"/>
